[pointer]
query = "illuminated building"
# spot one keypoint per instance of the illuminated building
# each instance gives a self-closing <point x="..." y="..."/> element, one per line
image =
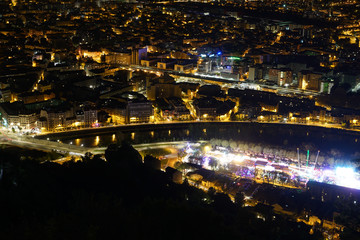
<point x="87" y="117"/>
<point x="114" y="57"/>
<point x="164" y="88"/>
<point x="138" y="54"/>
<point x="309" y="80"/>
<point x="139" y="111"/>
<point x="184" y="67"/>
<point x="129" y="107"/>
<point x="285" y="77"/>
<point x="31" y="97"/>
<point x="255" y="73"/>
<point x="17" y="115"/>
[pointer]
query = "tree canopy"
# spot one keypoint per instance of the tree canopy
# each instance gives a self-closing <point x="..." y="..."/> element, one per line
<point x="120" y="197"/>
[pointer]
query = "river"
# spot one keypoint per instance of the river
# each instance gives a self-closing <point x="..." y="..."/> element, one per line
<point x="330" y="141"/>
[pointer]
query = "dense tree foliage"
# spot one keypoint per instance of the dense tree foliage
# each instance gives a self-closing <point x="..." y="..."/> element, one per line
<point x="121" y="198"/>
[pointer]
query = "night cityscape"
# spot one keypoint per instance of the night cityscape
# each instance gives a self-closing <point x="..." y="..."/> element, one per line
<point x="180" y="119"/>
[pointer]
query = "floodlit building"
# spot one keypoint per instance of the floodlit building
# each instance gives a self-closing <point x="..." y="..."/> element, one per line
<point x="139" y="111"/>
<point x="309" y="80"/>
<point x="17" y="115"/>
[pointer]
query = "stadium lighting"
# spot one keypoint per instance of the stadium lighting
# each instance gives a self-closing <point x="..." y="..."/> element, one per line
<point x="344" y="172"/>
<point x="269" y="168"/>
<point x="346" y="177"/>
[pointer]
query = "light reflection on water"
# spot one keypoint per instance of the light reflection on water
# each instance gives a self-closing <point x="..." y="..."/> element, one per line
<point x="143" y="136"/>
<point x="262" y="136"/>
<point x="133" y="136"/>
<point x="97" y="140"/>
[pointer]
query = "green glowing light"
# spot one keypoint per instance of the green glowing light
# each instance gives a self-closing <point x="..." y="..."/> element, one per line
<point x="307" y="158"/>
<point x="234" y="58"/>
